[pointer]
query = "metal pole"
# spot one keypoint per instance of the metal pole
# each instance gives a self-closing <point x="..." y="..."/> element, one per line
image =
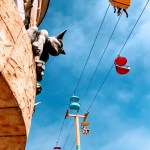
<point x="77" y="133"/>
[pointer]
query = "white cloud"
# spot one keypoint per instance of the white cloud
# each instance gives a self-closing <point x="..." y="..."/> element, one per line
<point x="135" y="139"/>
<point x="125" y="96"/>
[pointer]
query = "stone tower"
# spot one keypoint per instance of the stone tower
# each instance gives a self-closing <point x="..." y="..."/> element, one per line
<point x="17" y="79"/>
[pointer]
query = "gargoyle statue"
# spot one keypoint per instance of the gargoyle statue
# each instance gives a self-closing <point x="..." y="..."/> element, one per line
<point x="42" y="46"/>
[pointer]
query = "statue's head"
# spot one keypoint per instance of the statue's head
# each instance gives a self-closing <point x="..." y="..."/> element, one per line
<point x="55" y="44"/>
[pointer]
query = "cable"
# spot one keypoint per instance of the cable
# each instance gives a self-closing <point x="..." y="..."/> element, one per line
<point x="100" y="59"/>
<point x="60" y="132"/>
<point x="98" y="62"/>
<point x="83" y="70"/>
<point x="91" y="50"/>
<point x="68" y="135"/>
<point x="100" y="87"/>
<point x="134" y="27"/>
<point x="113" y="64"/>
<point x="73" y="144"/>
<point x="119" y="53"/>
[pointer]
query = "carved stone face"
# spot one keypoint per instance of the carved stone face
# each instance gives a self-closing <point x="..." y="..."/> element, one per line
<point x="55" y="45"/>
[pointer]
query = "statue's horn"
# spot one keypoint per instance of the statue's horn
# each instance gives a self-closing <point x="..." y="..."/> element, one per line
<point x="60" y="36"/>
<point x="63" y="52"/>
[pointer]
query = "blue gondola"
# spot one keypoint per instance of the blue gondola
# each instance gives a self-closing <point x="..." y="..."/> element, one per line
<point x="75" y="105"/>
<point x="74" y="102"/>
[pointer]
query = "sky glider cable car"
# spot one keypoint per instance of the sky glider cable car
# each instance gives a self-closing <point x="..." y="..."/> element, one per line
<point x="84" y="123"/>
<point x="120" y="68"/>
<point x="57" y="148"/>
<point x="121" y="3"/>
<point x="85" y="129"/>
<point x="74" y="103"/>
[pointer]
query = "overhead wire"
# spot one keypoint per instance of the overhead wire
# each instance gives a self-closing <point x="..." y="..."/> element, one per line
<point x="91" y="50"/>
<point x="119" y="54"/>
<point x="99" y="63"/>
<point x="100" y="59"/>
<point x="113" y="63"/>
<point x="84" y="69"/>
<point x="60" y="132"/>
<point x="73" y="145"/>
<point x="87" y="62"/>
<point x="100" y="88"/>
<point x="134" y="27"/>
<point x="63" y="148"/>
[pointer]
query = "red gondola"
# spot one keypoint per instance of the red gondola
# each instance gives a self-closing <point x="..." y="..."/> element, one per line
<point x="120" y="61"/>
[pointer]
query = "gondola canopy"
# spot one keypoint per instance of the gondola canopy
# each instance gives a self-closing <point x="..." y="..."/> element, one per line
<point x="120" y="61"/>
<point x="125" y="4"/>
<point x="74" y="99"/>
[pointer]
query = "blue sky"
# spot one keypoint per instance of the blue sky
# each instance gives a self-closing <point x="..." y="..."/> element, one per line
<point x="119" y="116"/>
